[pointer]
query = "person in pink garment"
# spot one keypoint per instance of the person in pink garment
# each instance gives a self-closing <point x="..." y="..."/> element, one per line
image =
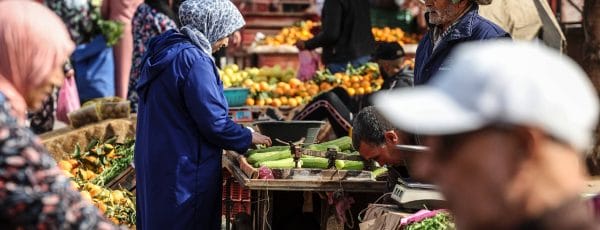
<point x="122" y="11"/>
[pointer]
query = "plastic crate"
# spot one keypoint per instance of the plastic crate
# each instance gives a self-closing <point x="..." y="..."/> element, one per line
<point x="240" y="197"/>
<point x="236" y="96"/>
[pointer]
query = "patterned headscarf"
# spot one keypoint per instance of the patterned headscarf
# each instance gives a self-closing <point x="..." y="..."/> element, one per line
<point x="33" y="42"/>
<point x="207" y="21"/>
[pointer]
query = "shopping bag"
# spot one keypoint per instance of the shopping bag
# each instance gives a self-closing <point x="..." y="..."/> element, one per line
<point x="68" y="100"/>
<point x="94" y="69"/>
<point x="308" y="64"/>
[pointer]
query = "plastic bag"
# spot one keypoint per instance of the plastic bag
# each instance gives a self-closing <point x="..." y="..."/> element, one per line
<point x="68" y="100"/>
<point x="308" y="65"/>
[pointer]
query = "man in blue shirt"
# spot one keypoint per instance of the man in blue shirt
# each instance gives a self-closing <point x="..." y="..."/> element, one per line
<point x="451" y="22"/>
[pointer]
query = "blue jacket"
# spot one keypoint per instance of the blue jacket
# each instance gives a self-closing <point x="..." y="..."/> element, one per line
<point x="182" y="129"/>
<point x="471" y="27"/>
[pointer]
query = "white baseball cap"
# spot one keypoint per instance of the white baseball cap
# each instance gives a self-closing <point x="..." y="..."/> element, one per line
<point x="500" y="82"/>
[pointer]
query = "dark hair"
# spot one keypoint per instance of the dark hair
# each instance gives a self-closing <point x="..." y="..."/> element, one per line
<point x="163" y="7"/>
<point x="369" y="126"/>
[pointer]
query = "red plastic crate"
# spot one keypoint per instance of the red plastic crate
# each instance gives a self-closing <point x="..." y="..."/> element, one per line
<point x="240" y="197"/>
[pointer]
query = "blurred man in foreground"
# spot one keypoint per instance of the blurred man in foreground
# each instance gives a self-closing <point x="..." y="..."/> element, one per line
<point x="507" y="126"/>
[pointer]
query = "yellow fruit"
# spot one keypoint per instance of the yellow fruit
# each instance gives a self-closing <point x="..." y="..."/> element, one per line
<point x="351" y="91"/>
<point x="269" y="101"/>
<point x="360" y="91"/>
<point x="276" y="102"/>
<point x="86" y="195"/>
<point x="284" y="100"/>
<point x="355" y="79"/>
<point x="368" y="89"/>
<point x="295" y="83"/>
<point x="261" y="102"/>
<point x="65" y="165"/>
<point x="118" y="196"/>
<point x="293" y="102"/>
<point x="250" y="101"/>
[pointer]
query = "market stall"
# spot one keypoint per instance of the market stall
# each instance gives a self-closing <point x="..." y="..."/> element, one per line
<point x="313" y="176"/>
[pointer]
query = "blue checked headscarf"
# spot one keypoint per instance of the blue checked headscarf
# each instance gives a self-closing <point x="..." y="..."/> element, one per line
<point x="207" y="21"/>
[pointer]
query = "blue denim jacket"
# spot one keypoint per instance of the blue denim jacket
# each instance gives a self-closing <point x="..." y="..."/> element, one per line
<point x="471" y="27"/>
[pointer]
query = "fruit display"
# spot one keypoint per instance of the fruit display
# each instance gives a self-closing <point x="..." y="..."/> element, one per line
<point x="302" y="31"/>
<point x="387" y="34"/>
<point x="272" y="86"/>
<point x="269" y="86"/>
<point x="92" y="168"/>
<point x="357" y="81"/>
<point x="290" y="35"/>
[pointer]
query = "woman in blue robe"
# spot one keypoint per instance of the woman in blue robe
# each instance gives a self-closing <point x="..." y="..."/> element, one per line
<point x="183" y="124"/>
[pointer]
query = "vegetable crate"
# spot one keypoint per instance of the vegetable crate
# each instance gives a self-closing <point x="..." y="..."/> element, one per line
<point x="240" y="197"/>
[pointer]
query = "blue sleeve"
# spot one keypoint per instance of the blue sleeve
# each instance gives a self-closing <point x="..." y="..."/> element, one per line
<point x="204" y="99"/>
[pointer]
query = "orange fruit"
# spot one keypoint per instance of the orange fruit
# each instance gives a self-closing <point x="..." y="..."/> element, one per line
<point x="276" y="102"/>
<point x="351" y="91"/>
<point x="365" y="84"/>
<point x="368" y="89"/>
<point x="250" y="101"/>
<point x="269" y="101"/>
<point x="284" y="100"/>
<point x="325" y="86"/>
<point x="355" y="79"/>
<point x="260" y="102"/>
<point x="295" y="83"/>
<point x="360" y="91"/>
<point x="293" y="102"/>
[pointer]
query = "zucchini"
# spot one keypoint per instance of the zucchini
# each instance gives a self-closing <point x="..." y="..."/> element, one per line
<point x="315" y="162"/>
<point x="268" y="149"/>
<point x="269" y="156"/>
<point x="349" y="165"/>
<point x="379" y="171"/>
<point x="286" y="163"/>
<point x="340" y="145"/>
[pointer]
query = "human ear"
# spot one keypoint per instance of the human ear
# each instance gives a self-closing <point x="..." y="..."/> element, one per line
<point x="391" y="137"/>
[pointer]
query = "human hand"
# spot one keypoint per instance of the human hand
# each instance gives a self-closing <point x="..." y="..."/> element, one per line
<point x="258" y="138"/>
<point x="301" y="45"/>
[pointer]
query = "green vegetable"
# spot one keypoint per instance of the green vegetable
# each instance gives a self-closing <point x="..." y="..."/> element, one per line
<point x="268" y="149"/>
<point x="340" y="144"/>
<point x="286" y="163"/>
<point x="379" y="171"/>
<point x="315" y="162"/>
<point x="441" y="221"/>
<point x="269" y="156"/>
<point x="349" y="165"/>
<point x="117" y="165"/>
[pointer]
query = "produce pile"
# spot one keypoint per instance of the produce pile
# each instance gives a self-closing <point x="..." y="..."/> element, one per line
<point x="290" y="35"/>
<point x="303" y="31"/>
<point x="270" y="86"/>
<point x="357" y="81"/>
<point x="274" y="86"/>
<point x="387" y="34"/>
<point x="92" y="168"/>
<point x="434" y="220"/>
<point x="280" y="157"/>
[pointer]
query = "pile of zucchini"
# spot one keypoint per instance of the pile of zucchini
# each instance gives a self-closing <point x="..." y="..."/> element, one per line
<point x="281" y="157"/>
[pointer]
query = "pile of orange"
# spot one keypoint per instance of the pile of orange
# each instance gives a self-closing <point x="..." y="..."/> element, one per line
<point x="291" y="93"/>
<point x="387" y="34"/>
<point x="290" y="35"/>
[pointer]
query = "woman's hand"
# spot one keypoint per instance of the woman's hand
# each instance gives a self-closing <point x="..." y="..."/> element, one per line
<point x="258" y="138"/>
